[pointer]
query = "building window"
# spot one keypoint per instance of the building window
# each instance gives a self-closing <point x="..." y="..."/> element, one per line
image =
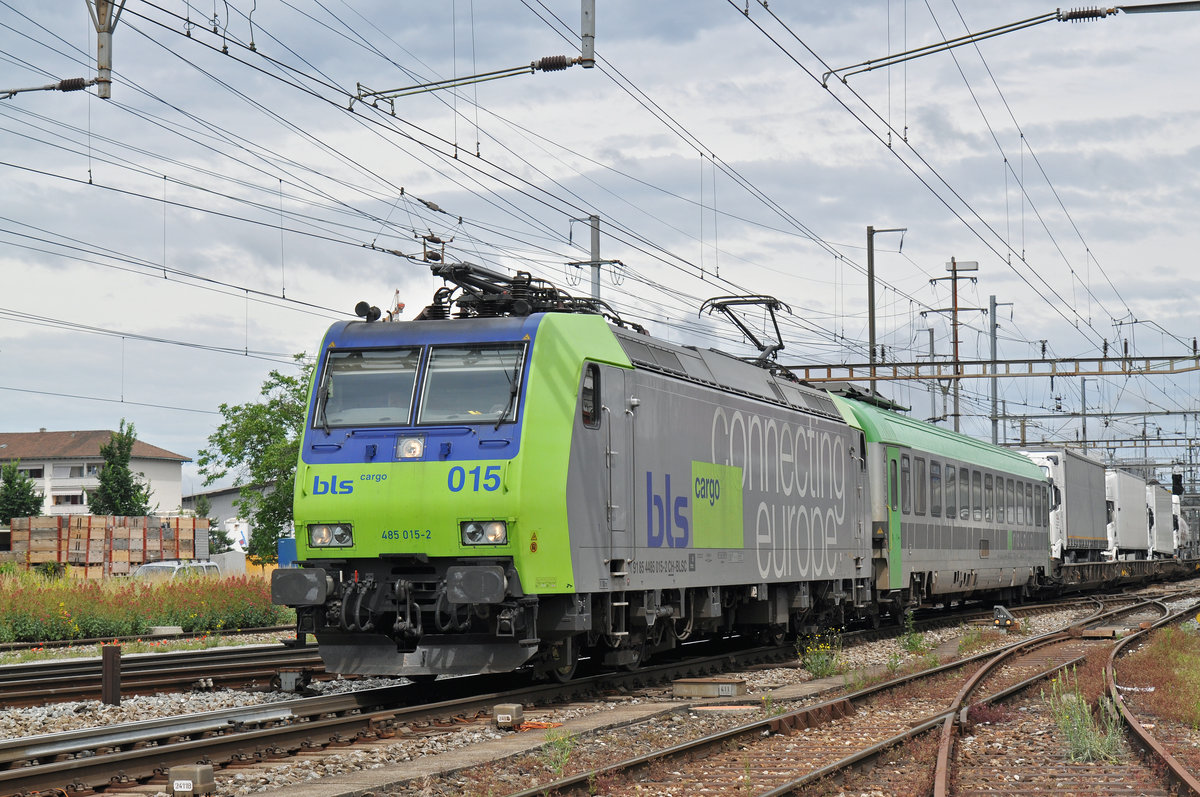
<point x="33" y="472"/>
<point x="68" y="500"/>
<point x="93" y="468"/>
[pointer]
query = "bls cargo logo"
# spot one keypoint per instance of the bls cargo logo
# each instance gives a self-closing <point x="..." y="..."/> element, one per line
<point x="332" y="486"/>
<point x="666" y="518"/>
<point x="706" y="513"/>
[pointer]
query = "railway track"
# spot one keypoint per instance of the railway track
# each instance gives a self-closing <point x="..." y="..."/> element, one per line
<point x="837" y="738"/>
<point x="43" y="682"/>
<point x="38" y="683"/>
<point x="137" y="753"/>
<point x="142" y="752"/>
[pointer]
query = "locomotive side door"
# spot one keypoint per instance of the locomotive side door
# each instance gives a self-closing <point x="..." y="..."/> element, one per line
<point x="619" y="421"/>
<point x="895" y="570"/>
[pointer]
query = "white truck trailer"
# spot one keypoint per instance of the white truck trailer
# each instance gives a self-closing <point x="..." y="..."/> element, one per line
<point x="1078" y="523"/>
<point x="1161" y="539"/>
<point x="1128" y="516"/>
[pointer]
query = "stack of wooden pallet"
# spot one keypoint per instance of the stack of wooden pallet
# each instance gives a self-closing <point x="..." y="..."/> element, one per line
<point x="87" y="544"/>
<point x="41" y="539"/>
<point x="95" y="546"/>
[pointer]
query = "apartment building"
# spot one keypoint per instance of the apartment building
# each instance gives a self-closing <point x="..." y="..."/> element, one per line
<point x="65" y="466"/>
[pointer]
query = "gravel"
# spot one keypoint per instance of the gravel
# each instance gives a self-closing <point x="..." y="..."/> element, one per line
<point x="601" y="745"/>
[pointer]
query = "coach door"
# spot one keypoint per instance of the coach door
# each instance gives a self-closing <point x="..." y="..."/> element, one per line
<point x="895" y="569"/>
<point x="619" y="427"/>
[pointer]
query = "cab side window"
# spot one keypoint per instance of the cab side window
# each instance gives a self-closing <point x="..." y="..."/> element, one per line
<point x="589" y="398"/>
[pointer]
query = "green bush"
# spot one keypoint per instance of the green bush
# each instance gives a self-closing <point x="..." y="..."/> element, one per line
<point x="821" y="654"/>
<point x="34" y="608"/>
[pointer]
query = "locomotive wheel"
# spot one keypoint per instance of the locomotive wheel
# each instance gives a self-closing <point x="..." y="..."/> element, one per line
<point x="641" y="651"/>
<point x="773" y="634"/>
<point x="565" y="656"/>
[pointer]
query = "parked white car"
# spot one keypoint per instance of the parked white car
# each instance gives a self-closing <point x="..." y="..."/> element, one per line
<point x="172" y="568"/>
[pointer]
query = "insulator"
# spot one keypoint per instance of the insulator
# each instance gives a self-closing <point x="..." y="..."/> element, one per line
<point x="72" y="84"/>
<point x="553" y="63"/>
<point x="1082" y="14"/>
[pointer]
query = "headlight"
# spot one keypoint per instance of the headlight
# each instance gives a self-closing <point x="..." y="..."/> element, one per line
<point x="410" y="447"/>
<point x="484" y="532"/>
<point x="330" y="535"/>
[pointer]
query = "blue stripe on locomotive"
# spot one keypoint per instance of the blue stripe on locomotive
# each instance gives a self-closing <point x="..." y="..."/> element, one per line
<point x="345" y="445"/>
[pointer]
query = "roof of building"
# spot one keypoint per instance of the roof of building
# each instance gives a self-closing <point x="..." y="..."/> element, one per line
<point x="72" y="445"/>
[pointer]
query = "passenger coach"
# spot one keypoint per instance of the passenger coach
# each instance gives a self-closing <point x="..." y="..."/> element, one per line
<point x="950" y="515"/>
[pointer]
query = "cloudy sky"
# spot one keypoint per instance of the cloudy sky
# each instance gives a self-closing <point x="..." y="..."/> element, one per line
<point x="162" y="251"/>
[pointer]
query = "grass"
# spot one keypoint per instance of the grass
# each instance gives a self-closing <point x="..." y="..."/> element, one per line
<point x="1169" y="662"/>
<point x="975" y="639"/>
<point x="1093" y="730"/>
<point x="36" y="608"/>
<point x="911" y="640"/>
<point x="556" y="752"/>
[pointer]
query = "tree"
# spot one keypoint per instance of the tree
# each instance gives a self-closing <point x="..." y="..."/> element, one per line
<point x="18" y="496"/>
<point x="121" y="491"/>
<point x="218" y="538"/>
<point x="259" y="444"/>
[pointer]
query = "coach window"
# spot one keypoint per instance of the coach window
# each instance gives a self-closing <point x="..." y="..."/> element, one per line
<point x="1012" y="506"/>
<point x="905" y="484"/>
<point x="964" y="494"/>
<point x="893" y="485"/>
<point x="1029" y="504"/>
<point x="919" y="484"/>
<point x="988" y="499"/>
<point x="1037" y="506"/>
<point x="589" y="399"/>
<point x="1046" y="505"/>
<point x="1020" y="521"/>
<point x="951" y="493"/>
<point x="976" y="496"/>
<point x="935" y="489"/>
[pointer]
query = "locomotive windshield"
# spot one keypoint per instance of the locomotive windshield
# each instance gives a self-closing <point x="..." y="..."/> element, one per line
<point x="367" y="388"/>
<point x="472" y="384"/>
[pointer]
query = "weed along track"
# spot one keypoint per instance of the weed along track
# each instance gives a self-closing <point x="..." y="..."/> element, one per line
<point x="827" y="746"/>
<point x="809" y="719"/>
<point x="1071" y="733"/>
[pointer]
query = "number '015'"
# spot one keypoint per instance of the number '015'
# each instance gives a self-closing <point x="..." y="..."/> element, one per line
<point x="460" y="478"/>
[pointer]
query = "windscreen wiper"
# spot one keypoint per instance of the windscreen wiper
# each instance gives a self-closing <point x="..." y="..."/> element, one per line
<point x="513" y="387"/>
<point x="323" y="393"/>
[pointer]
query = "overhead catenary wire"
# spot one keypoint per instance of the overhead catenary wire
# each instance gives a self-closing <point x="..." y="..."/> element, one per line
<point x="547" y="231"/>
